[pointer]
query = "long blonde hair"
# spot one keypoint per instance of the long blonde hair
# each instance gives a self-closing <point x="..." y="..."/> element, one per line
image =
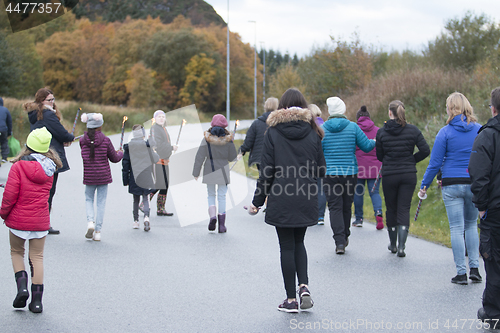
<point x="50" y="154"/>
<point x="457" y="104"/>
<point x="397" y="109"/>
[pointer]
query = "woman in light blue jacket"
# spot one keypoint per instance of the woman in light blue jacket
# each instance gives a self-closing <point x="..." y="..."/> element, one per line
<point x="450" y="154"/>
<point x="339" y="147"/>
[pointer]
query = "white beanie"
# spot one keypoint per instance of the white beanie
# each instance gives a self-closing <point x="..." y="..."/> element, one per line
<point x="335" y="106"/>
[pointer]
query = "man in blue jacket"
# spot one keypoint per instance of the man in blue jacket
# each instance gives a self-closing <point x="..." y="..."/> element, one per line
<point x="484" y="165"/>
<point x="5" y="130"/>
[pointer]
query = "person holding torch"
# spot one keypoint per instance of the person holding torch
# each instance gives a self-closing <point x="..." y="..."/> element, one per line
<point x="160" y="140"/>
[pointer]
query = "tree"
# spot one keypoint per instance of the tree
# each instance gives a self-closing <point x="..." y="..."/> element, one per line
<point x="286" y="77"/>
<point x="141" y="86"/>
<point x="336" y="71"/>
<point x="465" y="42"/>
<point x="200" y="81"/>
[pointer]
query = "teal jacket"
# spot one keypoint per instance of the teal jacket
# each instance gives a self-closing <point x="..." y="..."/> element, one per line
<point x="339" y="146"/>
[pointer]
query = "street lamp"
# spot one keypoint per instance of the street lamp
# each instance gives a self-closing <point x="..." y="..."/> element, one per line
<point x="264" y="73"/>
<point x="228" y="113"/>
<point x="255" y="71"/>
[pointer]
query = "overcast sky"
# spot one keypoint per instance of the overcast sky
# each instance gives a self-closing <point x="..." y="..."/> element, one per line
<point x="298" y="25"/>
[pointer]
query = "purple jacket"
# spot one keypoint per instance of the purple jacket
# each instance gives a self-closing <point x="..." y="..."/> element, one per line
<point x="368" y="164"/>
<point x="97" y="171"/>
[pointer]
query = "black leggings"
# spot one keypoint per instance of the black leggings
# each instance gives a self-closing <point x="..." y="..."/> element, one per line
<point x="293" y="257"/>
<point x="53" y="190"/>
<point x="398" y="192"/>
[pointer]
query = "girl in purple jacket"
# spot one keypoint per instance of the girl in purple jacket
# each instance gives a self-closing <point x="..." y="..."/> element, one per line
<point x="368" y="169"/>
<point x="97" y="149"/>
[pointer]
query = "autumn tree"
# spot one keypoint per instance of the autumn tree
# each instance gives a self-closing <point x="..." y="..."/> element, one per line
<point x="286" y="77"/>
<point x="60" y="72"/>
<point x="200" y="80"/>
<point x="337" y="70"/>
<point x="140" y="85"/>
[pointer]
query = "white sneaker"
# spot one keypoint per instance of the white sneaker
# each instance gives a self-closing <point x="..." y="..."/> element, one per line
<point x="97" y="236"/>
<point x="136" y="225"/>
<point x="90" y="229"/>
<point x="147" y="226"/>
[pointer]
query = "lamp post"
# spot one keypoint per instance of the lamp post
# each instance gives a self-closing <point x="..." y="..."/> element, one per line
<point x="228" y="113"/>
<point x="255" y="72"/>
<point x="263" y="73"/>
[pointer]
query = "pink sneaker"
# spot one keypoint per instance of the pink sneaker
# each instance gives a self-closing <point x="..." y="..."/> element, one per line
<point x="380" y="222"/>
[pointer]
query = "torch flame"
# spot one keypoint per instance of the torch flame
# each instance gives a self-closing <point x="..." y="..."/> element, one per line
<point x="183" y="122"/>
<point x="125" y="118"/>
<point x="237" y="122"/>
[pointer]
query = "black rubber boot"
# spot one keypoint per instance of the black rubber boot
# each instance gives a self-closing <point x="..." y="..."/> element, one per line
<point x="36" y="298"/>
<point x="402" y="235"/>
<point x="393" y="238"/>
<point x="22" y="290"/>
<point x="222" y="223"/>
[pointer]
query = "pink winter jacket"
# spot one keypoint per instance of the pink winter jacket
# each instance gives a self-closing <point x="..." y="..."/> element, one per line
<point x="97" y="171"/>
<point x="368" y="164"/>
<point x="25" y="199"/>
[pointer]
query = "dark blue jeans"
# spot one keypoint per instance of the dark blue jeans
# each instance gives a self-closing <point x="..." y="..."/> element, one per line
<point x="359" y="192"/>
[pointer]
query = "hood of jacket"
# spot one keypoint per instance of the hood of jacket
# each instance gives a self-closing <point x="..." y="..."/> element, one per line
<point x="336" y="124"/>
<point x="293" y="123"/>
<point x="264" y="116"/>
<point x="37" y="174"/>
<point x="492" y="123"/>
<point x="393" y="127"/>
<point x="218" y="140"/>
<point x="366" y="124"/>
<point x="98" y="140"/>
<point x="1" y="101"/>
<point x="31" y="109"/>
<point x="461" y="125"/>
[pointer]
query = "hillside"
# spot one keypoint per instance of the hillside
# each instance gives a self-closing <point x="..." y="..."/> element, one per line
<point x="198" y="11"/>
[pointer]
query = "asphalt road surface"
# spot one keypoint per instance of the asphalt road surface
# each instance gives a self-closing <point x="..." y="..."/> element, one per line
<point x="179" y="277"/>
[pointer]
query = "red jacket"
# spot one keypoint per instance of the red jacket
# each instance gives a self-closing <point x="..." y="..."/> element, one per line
<point x="25" y="199"/>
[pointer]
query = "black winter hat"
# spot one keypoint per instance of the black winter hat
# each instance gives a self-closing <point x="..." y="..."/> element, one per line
<point x="363" y="112"/>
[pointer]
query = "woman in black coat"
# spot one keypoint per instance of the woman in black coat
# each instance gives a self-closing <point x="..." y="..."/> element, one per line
<point x="160" y="140"/>
<point x="140" y="157"/>
<point x="292" y="160"/>
<point x="395" y="143"/>
<point x="44" y="113"/>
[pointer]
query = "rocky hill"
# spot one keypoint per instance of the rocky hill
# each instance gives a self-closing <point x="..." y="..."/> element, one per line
<point x="198" y="11"/>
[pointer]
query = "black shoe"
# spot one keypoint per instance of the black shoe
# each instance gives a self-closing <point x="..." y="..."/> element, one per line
<point x="491" y="324"/>
<point x="164" y="213"/>
<point x="357" y="223"/>
<point x="53" y="231"/>
<point x="460" y="279"/>
<point x="22" y="290"/>
<point x="289" y="306"/>
<point x="340" y="249"/>
<point x="305" y="298"/>
<point x="474" y="275"/>
<point x="36" y="298"/>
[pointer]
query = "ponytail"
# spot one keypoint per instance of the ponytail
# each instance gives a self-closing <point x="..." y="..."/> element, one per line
<point x="397" y="109"/>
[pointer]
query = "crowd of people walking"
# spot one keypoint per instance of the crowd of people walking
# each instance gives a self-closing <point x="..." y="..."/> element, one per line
<point x="293" y="147"/>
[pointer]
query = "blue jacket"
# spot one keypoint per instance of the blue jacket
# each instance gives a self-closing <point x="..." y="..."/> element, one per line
<point x="451" y="152"/>
<point x="339" y="146"/>
<point x="5" y="119"/>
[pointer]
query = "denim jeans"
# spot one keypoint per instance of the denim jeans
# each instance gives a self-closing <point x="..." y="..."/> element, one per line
<point x="462" y="216"/>
<point x="359" y="192"/>
<point x="221" y="196"/>
<point x="102" y="193"/>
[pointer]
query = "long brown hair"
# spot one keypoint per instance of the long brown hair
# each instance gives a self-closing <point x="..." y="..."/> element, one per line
<point x="397" y="109"/>
<point x="91" y="134"/>
<point x="50" y="154"/>
<point x="40" y="97"/>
